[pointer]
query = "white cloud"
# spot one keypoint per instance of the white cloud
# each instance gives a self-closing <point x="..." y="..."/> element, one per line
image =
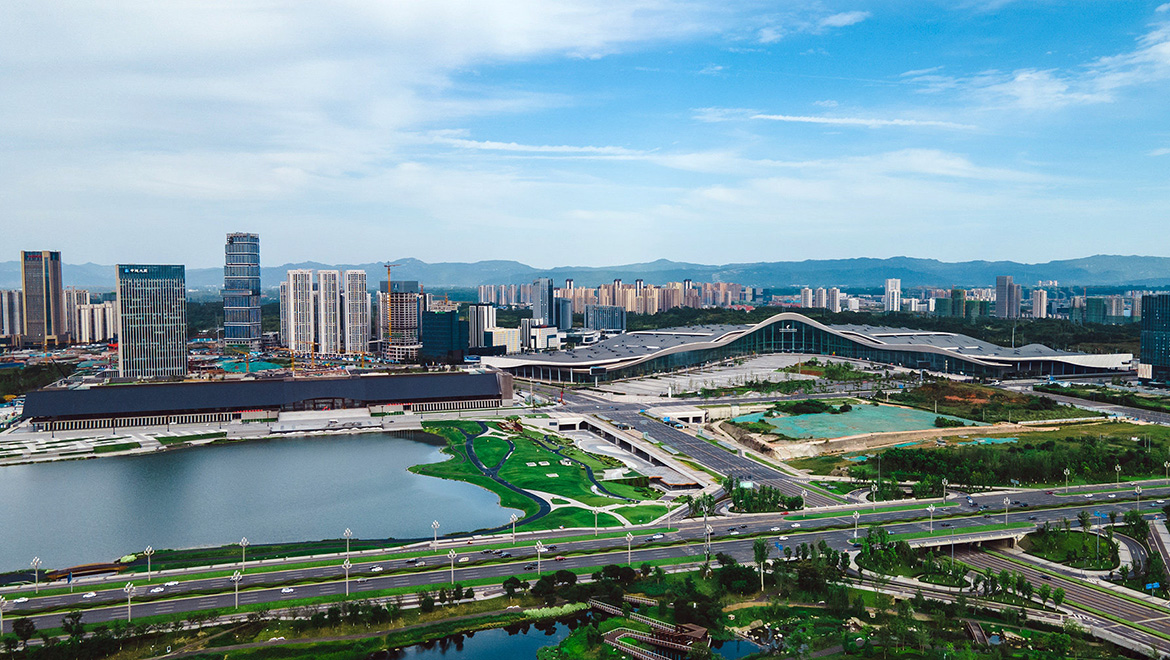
<point x="920" y="72"/>
<point x="1163" y="8"/>
<point x="827" y="103"/>
<point x="488" y="145"/>
<point x="862" y="121"/>
<point x="1165" y="151"/>
<point x="711" y="70"/>
<point x="843" y="19"/>
<point x="723" y="114"/>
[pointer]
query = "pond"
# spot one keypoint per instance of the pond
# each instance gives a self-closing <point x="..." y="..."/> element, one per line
<point x="861" y="419"/>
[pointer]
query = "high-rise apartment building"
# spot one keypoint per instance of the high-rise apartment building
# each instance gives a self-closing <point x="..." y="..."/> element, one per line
<point x="356" y="301"/>
<point x="241" y="290"/>
<point x="1039" y="304"/>
<point x="299" y="312"/>
<point x="328" y="312"/>
<point x="152" y="321"/>
<point x="821" y="298"/>
<point x="834" y="300"/>
<point x="806" y="297"/>
<point x="11" y="313"/>
<point x="97" y="322"/>
<point x="284" y="338"/>
<point x="543" y="307"/>
<point x="564" y="313"/>
<point x="892" y="302"/>
<point x="1007" y="298"/>
<point x="481" y="317"/>
<point x="73" y="299"/>
<point x="44" y="319"/>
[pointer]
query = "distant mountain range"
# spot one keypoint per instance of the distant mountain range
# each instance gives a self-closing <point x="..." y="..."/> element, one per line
<point x="1100" y="270"/>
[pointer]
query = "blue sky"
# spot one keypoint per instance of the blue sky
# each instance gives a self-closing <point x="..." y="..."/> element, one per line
<point x="585" y="133"/>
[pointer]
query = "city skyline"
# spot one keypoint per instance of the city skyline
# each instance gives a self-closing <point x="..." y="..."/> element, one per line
<point x="836" y="129"/>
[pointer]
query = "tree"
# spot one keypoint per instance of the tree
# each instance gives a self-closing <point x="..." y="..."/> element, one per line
<point x="71" y="625"/>
<point x="760" y="551"/>
<point x="25" y="629"/>
<point x="1058" y="597"/>
<point x="1086" y="521"/>
<point x="1044" y="592"/>
<point x="511" y="585"/>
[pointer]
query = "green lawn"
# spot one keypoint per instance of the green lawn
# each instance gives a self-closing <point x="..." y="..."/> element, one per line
<point x="1060" y="547"/>
<point x="640" y="515"/>
<point x="175" y="439"/>
<point x="490" y="450"/>
<point x="881" y="509"/>
<point x="460" y="468"/>
<point x="121" y="446"/>
<point x="569" y="517"/>
<point x="977" y="529"/>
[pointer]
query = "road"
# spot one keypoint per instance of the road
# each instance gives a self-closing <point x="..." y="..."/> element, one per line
<point x="1086" y="599"/>
<point x="109" y="604"/>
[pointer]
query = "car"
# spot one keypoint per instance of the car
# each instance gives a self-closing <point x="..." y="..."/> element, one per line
<point x="22" y="599"/>
<point x="560" y="558"/>
<point x="773" y="529"/>
<point x="946" y="524"/>
<point x="286" y="590"/>
<point x="497" y="552"/>
<point x="157" y="590"/>
<point x="421" y="563"/>
<point x="1031" y="517"/>
<point x="464" y="559"/>
<point x="88" y="594"/>
<point x="743" y="526"/>
<point x="551" y="548"/>
<point x="412" y="560"/>
<point x="529" y="566"/>
<point x="485" y="552"/>
<point x="1161" y="501"/>
<point x="1088" y="495"/>
<point x="796" y="524"/>
<point x="363" y="579"/>
<point x="1112" y="495"/>
<point x="1049" y="492"/>
<point x="512" y="607"/>
<point x="376" y="569"/>
<point x="731" y="529"/>
<point x="172" y="583"/>
<point x="657" y="537"/>
<point x="782" y="538"/>
<point x="503" y="555"/>
<point x="735" y="532"/>
<point x="987" y="515"/>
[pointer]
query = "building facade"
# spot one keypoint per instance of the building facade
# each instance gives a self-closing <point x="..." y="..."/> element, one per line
<point x="241" y="291"/>
<point x="43" y="313"/>
<point x="481" y="317"/>
<point x="1154" y="364"/>
<point x="356" y="303"/>
<point x="328" y="312"/>
<point x="1007" y="297"/>
<point x="299" y="312"/>
<point x="892" y="301"/>
<point x="11" y="313"/>
<point x="543" y="306"/>
<point x="152" y="321"/>
<point x="609" y="318"/>
<point x="1039" y="304"/>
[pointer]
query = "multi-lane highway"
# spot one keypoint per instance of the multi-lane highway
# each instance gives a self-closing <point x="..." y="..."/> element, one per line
<point x="305" y="582"/>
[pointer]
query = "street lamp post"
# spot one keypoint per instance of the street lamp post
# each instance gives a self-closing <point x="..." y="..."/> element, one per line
<point x="451" y="556"/>
<point x="348" y="534"/>
<point x="931" y="510"/>
<point x="1117" y="469"/>
<point x="236" y="578"/>
<point x="856" y="516"/>
<point x="129" y="589"/>
<point x="1166" y="465"/>
<point x="149" y="551"/>
<point x="346" y="565"/>
<point x="629" y="549"/>
<point x="803" y="498"/>
<point x="3" y="603"/>
<point x="1006" y="502"/>
<point x="1066" y="473"/>
<point x="36" y="566"/>
<point x="539" y="553"/>
<point x="873" y="496"/>
<point x="707" y="544"/>
<point x="435" y="527"/>
<point x="945" y="484"/>
<point x="244" y="554"/>
<point x="1138" y="491"/>
<point x="513" y="518"/>
<point x="595" y="521"/>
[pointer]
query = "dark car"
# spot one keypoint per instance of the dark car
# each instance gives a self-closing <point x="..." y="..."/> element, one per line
<point x="529" y="566"/>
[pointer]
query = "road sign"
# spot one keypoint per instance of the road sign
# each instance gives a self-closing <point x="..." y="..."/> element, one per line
<point x="778" y="546"/>
<point x="1153" y="585"/>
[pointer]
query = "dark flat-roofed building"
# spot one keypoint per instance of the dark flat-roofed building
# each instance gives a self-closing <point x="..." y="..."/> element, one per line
<point x="107" y="406"/>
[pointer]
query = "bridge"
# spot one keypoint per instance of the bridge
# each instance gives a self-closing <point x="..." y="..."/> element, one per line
<point x="958" y="537"/>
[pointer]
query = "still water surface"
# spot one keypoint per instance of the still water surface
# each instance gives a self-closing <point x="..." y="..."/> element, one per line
<point x="269" y="491"/>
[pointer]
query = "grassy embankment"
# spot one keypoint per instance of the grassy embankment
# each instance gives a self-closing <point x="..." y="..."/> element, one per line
<point x="986" y="404"/>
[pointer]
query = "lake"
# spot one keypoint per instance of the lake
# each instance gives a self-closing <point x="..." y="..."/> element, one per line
<point x="290" y="489"/>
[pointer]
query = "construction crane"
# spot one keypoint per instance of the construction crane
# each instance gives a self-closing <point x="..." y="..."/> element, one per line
<point x="389" y="314"/>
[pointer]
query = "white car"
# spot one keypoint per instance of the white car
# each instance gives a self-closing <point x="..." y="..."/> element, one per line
<point x="734" y="532"/>
<point x="172" y="583"/>
<point x="286" y="590"/>
<point x="796" y="524"/>
<point x="1161" y="501"/>
<point x="1088" y="495"/>
<point x="464" y="560"/>
<point x="376" y="569"/>
<point x="1112" y="494"/>
<point x="782" y="538"/>
<point x="657" y="537"/>
<point x="22" y="599"/>
<point x="156" y="590"/>
<point x="774" y="529"/>
<point x="89" y="595"/>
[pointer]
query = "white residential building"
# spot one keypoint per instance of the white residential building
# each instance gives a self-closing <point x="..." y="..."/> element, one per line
<point x="299" y="312"/>
<point x="893" y="298"/>
<point x="1039" y="304"/>
<point x="806" y="297"/>
<point x="73" y="299"/>
<point x="356" y="299"/>
<point x="834" y="300"/>
<point x="328" y="312"/>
